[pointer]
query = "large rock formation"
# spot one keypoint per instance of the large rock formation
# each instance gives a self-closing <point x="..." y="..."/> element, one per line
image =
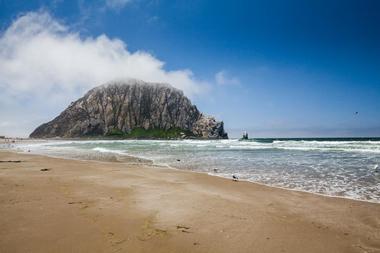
<point x="121" y="107"/>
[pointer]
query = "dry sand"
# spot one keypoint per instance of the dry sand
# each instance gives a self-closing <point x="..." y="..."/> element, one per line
<point x="57" y="205"/>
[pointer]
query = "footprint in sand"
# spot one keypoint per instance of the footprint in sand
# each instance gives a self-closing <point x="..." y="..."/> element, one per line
<point x="184" y="229"/>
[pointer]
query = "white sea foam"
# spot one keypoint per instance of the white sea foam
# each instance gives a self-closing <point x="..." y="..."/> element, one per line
<point x="106" y="150"/>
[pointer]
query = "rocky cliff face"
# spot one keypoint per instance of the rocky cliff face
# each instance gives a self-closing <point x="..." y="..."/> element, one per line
<point x="123" y="106"/>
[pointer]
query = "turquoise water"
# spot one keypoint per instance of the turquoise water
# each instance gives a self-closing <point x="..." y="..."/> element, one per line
<point x="336" y="167"/>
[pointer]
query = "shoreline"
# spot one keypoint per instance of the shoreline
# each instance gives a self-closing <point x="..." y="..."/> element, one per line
<point x="159" y="209"/>
<point x="147" y="160"/>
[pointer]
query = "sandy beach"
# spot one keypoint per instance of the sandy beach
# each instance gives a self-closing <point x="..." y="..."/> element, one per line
<point x="58" y="205"/>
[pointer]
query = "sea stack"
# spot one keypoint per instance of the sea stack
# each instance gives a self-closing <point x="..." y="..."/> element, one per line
<point x="132" y="109"/>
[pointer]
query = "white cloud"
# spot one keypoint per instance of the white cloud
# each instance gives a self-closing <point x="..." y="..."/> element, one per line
<point x="116" y="4"/>
<point x="222" y="78"/>
<point x="43" y="64"/>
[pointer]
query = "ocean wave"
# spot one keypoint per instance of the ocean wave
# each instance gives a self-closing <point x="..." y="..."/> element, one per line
<point x="301" y="145"/>
<point x="105" y="150"/>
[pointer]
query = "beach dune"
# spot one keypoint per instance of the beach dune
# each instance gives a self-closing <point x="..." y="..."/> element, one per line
<point x="58" y="205"/>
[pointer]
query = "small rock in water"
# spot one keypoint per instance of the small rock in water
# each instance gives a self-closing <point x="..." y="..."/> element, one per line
<point x="178" y="160"/>
<point x="45" y="169"/>
<point x="216" y="170"/>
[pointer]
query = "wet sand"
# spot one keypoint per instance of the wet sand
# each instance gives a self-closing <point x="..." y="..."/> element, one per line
<point x="58" y="205"/>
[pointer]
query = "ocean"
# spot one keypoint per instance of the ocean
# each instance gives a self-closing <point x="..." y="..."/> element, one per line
<point x="340" y="167"/>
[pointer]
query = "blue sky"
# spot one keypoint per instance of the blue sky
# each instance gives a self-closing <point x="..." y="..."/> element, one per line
<point x="274" y="68"/>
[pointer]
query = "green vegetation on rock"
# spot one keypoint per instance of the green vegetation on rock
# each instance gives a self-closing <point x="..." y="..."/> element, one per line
<point x="116" y="133"/>
<point x="155" y="133"/>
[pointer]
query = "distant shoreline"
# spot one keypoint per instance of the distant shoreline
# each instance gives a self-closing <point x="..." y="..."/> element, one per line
<point x="377" y="138"/>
